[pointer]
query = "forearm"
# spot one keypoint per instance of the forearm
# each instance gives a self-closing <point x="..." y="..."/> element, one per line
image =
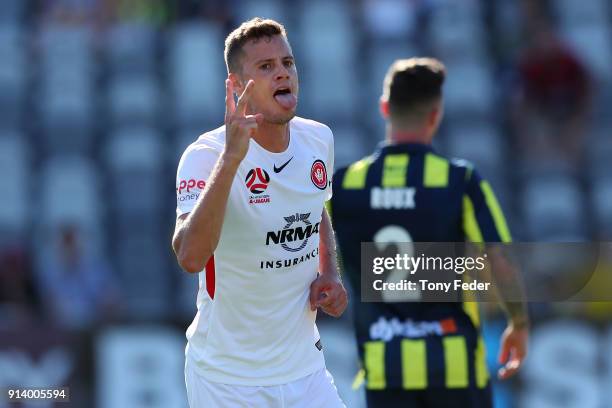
<point x="327" y="246"/>
<point x="509" y="286"/>
<point x="198" y="236"/>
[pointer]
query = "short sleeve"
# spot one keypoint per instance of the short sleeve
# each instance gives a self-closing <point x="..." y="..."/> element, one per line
<point x="483" y="218"/>
<point x="194" y="169"/>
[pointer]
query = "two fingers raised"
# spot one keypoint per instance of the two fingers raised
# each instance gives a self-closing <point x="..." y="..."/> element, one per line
<point x="231" y="108"/>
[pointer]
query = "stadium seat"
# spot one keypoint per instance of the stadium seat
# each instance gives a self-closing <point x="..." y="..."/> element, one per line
<point x="326" y="32"/>
<point x="599" y="151"/>
<point x="67" y="97"/>
<point x="507" y="17"/>
<point x="134" y="99"/>
<point x="68" y="192"/>
<point x="13" y="75"/>
<point x="601" y="198"/>
<point x="326" y="42"/>
<point x="380" y="56"/>
<point x="12" y="11"/>
<point x="594" y="45"/>
<point x="456" y="30"/>
<point x="573" y="13"/>
<point x="328" y="91"/>
<point x="15" y="184"/>
<point x="348" y="145"/>
<point x="145" y="279"/>
<point x="479" y="143"/>
<point x="197" y="73"/>
<point x="552" y="219"/>
<point x="389" y="19"/>
<point x="135" y="148"/>
<point x="131" y="49"/>
<point x="66" y="51"/>
<point x="273" y="9"/>
<point x="135" y="161"/>
<point x="469" y="89"/>
<point x="67" y="119"/>
<point x="134" y="156"/>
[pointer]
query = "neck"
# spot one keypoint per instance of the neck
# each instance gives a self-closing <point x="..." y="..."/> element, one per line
<point x="397" y="135"/>
<point x="272" y="137"/>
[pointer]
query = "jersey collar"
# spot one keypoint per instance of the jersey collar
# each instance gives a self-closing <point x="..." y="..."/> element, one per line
<point x="404" y="147"/>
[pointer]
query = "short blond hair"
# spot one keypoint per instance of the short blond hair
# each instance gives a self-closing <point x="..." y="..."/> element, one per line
<point x="253" y="29"/>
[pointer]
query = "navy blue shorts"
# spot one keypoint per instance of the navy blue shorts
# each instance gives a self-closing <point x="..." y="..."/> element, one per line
<point x="431" y="398"/>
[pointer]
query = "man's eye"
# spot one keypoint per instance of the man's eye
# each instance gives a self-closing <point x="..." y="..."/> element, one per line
<point x="266" y="66"/>
<point x="288" y="64"/>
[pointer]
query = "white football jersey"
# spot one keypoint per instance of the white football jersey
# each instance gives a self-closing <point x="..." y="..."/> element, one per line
<point x="254" y="325"/>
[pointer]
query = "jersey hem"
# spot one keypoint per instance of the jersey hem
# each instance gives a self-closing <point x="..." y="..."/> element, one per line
<point x="255" y="382"/>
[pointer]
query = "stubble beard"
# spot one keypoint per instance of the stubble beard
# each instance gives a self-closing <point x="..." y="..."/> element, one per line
<point x="281" y="120"/>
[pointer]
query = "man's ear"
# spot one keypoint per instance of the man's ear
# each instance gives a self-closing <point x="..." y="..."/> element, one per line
<point x="384" y="108"/>
<point x="435" y="116"/>
<point x="432" y="117"/>
<point x="236" y="83"/>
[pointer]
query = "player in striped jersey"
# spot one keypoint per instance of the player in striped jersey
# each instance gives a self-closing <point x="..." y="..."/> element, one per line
<point x="404" y="192"/>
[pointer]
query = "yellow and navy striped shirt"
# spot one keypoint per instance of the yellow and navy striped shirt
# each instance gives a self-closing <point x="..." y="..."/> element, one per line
<point x="427" y="198"/>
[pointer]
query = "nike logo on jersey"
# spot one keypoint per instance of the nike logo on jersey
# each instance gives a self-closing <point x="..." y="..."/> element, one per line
<point x="279" y="169"/>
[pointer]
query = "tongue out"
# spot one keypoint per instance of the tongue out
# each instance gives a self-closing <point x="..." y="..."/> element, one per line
<point x="287" y="100"/>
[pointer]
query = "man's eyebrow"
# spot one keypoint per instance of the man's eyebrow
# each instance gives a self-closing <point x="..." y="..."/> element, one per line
<point x="261" y="61"/>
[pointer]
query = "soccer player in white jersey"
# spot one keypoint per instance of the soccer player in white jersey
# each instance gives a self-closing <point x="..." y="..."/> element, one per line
<point x="251" y="218"/>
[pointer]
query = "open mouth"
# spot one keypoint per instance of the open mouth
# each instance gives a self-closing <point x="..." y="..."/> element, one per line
<point x="285" y="98"/>
<point x="282" y="91"/>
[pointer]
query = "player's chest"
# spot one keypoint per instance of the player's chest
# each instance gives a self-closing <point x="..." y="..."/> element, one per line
<point x="282" y="181"/>
<point x="277" y="202"/>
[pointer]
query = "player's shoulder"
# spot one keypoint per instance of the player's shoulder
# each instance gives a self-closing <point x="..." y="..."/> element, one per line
<point x="466" y="168"/>
<point x="453" y="162"/>
<point x="211" y="140"/>
<point x="358" y="166"/>
<point x="461" y="163"/>
<point x="214" y="139"/>
<point x="456" y="163"/>
<point x="302" y="124"/>
<point x="208" y="144"/>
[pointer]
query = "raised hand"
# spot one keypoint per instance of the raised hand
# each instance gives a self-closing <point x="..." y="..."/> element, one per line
<point x="239" y="127"/>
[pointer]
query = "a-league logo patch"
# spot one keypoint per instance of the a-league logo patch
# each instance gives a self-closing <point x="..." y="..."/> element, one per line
<point x="257" y="180"/>
<point x="318" y="174"/>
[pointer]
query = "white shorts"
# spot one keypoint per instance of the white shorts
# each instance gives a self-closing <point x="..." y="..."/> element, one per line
<point x="316" y="390"/>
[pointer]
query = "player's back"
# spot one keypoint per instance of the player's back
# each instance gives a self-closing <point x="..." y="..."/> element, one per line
<point x="409" y="193"/>
<point x="432" y="198"/>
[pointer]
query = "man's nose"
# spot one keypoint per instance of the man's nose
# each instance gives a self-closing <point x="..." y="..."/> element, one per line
<point x="282" y="72"/>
